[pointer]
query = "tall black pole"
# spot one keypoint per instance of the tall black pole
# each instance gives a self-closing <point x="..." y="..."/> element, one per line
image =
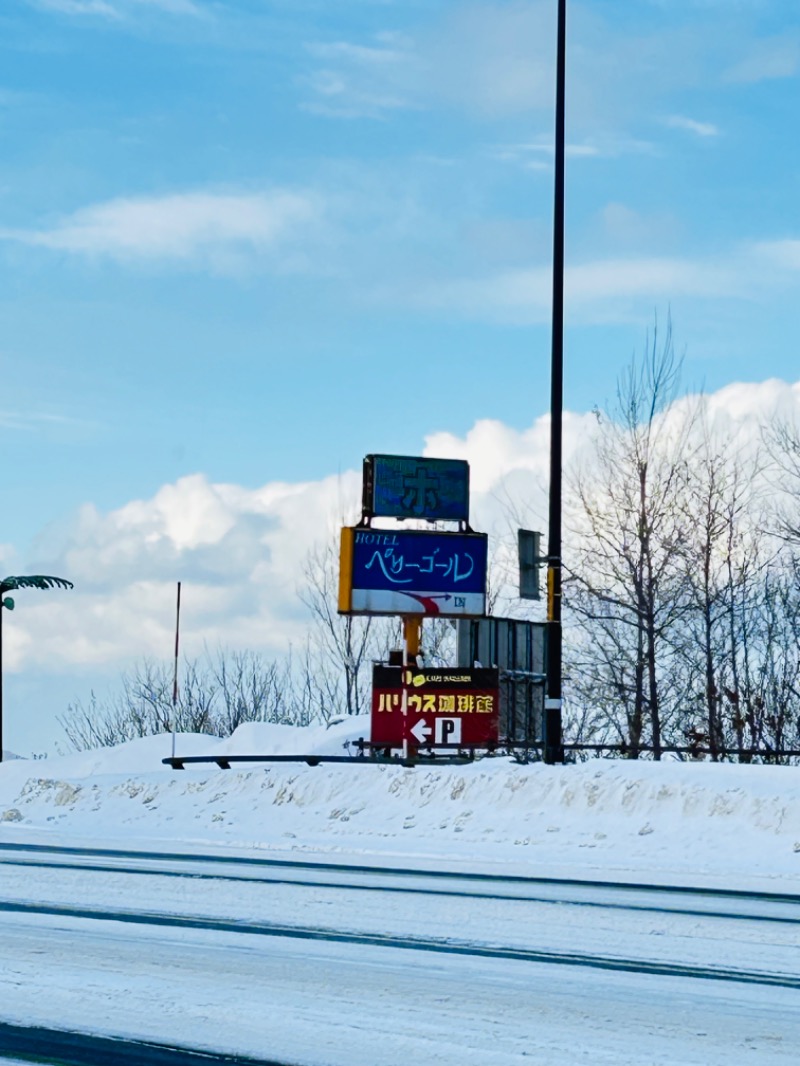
<point x="26" y="581"/>
<point x="1" y="679"/>
<point x="553" y="750"/>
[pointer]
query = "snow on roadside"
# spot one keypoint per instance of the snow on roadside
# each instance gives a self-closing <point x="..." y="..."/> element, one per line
<point x="690" y="822"/>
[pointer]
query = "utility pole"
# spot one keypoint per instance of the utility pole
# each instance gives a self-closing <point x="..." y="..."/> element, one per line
<point x="26" y="581"/>
<point x="553" y="748"/>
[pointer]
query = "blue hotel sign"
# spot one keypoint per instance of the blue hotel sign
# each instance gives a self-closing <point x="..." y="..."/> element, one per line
<point x="412" y="572"/>
<point x="399" y="486"/>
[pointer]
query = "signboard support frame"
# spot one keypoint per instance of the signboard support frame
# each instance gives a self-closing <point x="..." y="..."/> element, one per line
<point x="404" y="697"/>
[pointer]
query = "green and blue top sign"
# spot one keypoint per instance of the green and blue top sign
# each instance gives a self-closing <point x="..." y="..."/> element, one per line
<point x="400" y="486"/>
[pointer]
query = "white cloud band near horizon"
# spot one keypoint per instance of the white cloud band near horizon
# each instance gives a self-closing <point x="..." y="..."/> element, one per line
<point x="240" y="552"/>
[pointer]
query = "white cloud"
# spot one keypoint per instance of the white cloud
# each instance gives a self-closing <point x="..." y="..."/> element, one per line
<point x="240" y="552"/>
<point x="493" y="59"/>
<point x="498" y="59"/>
<point x="525" y="294"/>
<point x="620" y="225"/>
<point x="380" y="55"/>
<point x="119" y="8"/>
<point x="361" y="81"/>
<point x="610" y="288"/>
<point x="173" y="7"/>
<point x="784" y="254"/>
<point x="768" y="59"/>
<point x="484" y="58"/>
<point x="185" y="226"/>
<point x="36" y="420"/>
<point x="539" y="155"/>
<point x="702" y="129"/>
<point x="752" y="403"/>
<point x="79" y="7"/>
<point x="547" y="149"/>
<point x="651" y="277"/>
<point x="493" y="450"/>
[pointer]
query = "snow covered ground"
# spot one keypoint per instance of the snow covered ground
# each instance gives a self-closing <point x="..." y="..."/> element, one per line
<point x="689" y="823"/>
<point x="329" y="1002"/>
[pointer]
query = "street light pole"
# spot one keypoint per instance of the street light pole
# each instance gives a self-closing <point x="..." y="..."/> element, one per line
<point x="28" y="581"/>
<point x="7" y="603"/>
<point x="2" y="605"/>
<point x="553" y="749"/>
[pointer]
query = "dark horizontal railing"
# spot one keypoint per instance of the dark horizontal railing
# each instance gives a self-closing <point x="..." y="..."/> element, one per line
<point x="664" y="749"/>
<point x="457" y="754"/>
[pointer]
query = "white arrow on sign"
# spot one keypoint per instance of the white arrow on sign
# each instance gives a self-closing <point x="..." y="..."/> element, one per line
<point x="421" y="731"/>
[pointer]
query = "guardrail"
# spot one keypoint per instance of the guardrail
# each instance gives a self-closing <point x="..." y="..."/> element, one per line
<point x="366" y="754"/>
<point x="369" y="754"/>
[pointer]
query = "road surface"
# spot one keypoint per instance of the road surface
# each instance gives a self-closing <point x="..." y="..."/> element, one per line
<point x="338" y="963"/>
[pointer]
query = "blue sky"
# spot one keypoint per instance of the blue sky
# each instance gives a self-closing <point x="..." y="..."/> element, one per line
<point x="251" y="241"/>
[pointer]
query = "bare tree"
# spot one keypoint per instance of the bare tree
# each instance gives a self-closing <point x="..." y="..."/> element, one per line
<point x="773" y="710"/>
<point x="251" y="689"/>
<point x="687" y="609"/>
<point x="215" y="696"/>
<point x="724" y="559"/>
<point x="782" y="438"/>
<point x="341" y="647"/>
<point x="625" y="589"/>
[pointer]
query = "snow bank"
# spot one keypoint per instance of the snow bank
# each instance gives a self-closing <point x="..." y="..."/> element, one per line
<point x="695" y="822"/>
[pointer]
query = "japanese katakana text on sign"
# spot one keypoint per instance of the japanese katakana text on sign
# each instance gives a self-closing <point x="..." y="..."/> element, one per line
<point x="412" y="572"/>
<point x="451" y="706"/>
<point x="399" y="486"/>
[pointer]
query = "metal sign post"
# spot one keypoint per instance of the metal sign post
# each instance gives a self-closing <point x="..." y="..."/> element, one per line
<point x="404" y="698"/>
<point x="175" y="676"/>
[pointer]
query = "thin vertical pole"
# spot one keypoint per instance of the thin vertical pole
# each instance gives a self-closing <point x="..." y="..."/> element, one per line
<point x="404" y="695"/>
<point x="175" y="676"/>
<point x="1" y="679"/>
<point x="553" y="750"/>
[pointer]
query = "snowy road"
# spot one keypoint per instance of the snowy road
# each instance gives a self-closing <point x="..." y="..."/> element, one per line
<point x="302" y="963"/>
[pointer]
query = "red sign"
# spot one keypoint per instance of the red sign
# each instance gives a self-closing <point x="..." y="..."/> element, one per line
<point x="447" y="706"/>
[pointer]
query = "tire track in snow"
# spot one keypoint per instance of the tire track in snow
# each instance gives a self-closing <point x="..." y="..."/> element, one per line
<point x="425" y="944"/>
<point x="261" y="866"/>
<point x="59" y="1047"/>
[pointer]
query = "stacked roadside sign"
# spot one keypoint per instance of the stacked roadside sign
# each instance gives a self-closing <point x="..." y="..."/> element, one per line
<point x="420" y="573"/>
<point x="410" y="572"/>
<point x="451" y="706"/>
